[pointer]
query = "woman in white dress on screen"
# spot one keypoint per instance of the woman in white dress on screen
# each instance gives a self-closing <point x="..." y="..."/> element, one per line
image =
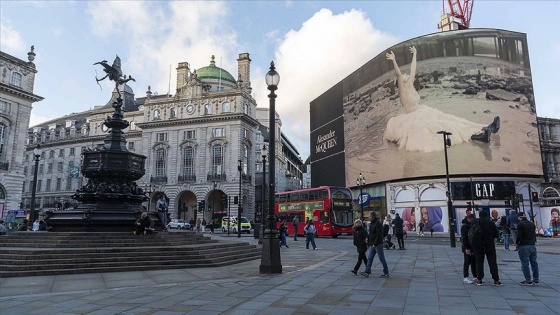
<point x="416" y="129"/>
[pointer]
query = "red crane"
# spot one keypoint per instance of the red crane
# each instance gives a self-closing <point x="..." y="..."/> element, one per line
<point x="461" y="10"/>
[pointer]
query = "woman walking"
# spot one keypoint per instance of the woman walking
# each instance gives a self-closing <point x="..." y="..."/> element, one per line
<point x="310" y="231"/>
<point x="360" y="236"/>
<point x="283" y="230"/>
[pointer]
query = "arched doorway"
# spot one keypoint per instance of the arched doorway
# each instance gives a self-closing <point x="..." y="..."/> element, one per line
<point x="217" y="206"/>
<point x="186" y="205"/>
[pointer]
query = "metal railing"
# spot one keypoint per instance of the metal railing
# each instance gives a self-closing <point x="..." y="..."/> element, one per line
<point x="186" y="178"/>
<point x="213" y="176"/>
<point x="158" y="179"/>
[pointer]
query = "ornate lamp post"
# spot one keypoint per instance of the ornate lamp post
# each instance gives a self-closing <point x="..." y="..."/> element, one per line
<point x="37" y="156"/>
<point x="239" y="207"/>
<point x="264" y="153"/>
<point x="271" y="260"/>
<point x="361" y="181"/>
<point x="446" y="144"/>
<point x="214" y="185"/>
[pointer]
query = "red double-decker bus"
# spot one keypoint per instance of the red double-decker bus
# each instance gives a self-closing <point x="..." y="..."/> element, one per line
<point x="330" y="208"/>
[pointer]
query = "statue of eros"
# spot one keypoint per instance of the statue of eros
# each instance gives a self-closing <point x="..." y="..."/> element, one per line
<point x="114" y="73"/>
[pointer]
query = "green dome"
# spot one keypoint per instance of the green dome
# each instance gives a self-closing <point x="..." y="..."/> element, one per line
<point x="215" y="73"/>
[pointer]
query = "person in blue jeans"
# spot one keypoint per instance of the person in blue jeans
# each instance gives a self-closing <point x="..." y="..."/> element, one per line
<point x="310" y="231"/>
<point x="375" y="246"/>
<point x="283" y="230"/>
<point x="505" y="232"/>
<point x="527" y="251"/>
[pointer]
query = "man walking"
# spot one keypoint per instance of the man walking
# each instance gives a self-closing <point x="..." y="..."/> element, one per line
<point x="468" y="257"/>
<point x="527" y="251"/>
<point x="398" y="229"/>
<point x="375" y="246"/>
<point x="484" y="245"/>
<point x="512" y="222"/>
<point x="295" y="223"/>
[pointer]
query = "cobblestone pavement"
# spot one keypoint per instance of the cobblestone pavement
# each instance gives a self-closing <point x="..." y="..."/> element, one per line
<point x="425" y="279"/>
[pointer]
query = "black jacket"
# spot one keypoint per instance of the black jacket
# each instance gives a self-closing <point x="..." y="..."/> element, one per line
<point x="526" y="233"/>
<point x="397" y="224"/>
<point x="375" y="234"/>
<point x="360" y="236"/>
<point x="465" y="227"/>
<point x="489" y="233"/>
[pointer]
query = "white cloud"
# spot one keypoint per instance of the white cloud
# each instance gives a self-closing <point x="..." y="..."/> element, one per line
<point x="34" y="119"/>
<point x="158" y="37"/>
<point x="10" y="40"/>
<point x="57" y="31"/>
<point x="325" y="50"/>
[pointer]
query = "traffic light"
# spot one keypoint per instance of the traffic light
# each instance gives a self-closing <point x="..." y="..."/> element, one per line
<point x="535" y="196"/>
<point x="235" y="200"/>
<point x="202" y="205"/>
<point x="224" y="201"/>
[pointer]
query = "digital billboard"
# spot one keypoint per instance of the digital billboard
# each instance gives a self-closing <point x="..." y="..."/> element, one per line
<point x="475" y="84"/>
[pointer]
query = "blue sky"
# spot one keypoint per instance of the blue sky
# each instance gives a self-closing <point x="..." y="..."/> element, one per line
<point x="313" y="43"/>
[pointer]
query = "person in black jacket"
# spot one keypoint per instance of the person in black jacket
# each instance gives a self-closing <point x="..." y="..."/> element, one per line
<point x="375" y="243"/>
<point x="468" y="256"/>
<point x="527" y="251"/>
<point x="398" y="229"/>
<point x="360" y="237"/>
<point x="487" y="247"/>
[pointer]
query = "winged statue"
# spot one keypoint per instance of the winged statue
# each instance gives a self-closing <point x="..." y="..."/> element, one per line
<point x="114" y="73"/>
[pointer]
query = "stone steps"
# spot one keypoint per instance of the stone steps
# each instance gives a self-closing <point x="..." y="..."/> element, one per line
<point x="36" y="253"/>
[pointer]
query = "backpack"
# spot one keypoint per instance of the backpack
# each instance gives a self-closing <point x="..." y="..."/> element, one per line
<point x="475" y="235"/>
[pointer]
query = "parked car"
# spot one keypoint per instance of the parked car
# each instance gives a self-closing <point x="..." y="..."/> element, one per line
<point x="231" y="224"/>
<point x="178" y="224"/>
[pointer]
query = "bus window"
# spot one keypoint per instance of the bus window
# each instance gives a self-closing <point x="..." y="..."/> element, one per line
<point x="280" y="198"/>
<point x="313" y="195"/>
<point x="324" y="217"/>
<point x="324" y="194"/>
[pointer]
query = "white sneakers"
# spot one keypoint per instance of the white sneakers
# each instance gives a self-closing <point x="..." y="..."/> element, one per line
<point x="468" y="280"/>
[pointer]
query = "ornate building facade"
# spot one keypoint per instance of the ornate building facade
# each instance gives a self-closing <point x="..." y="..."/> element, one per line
<point x="201" y="145"/>
<point x="549" y="130"/>
<point x="17" y="80"/>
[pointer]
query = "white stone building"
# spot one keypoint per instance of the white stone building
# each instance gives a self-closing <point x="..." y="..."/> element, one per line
<point x="17" y="80"/>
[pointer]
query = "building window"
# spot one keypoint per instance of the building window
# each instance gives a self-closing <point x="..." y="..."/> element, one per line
<point x="43" y="155"/>
<point x="172" y="113"/>
<point x="217" y="159"/>
<point x="161" y="137"/>
<point x="16" y="79"/>
<point x="59" y="168"/>
<point x="69" y="183"/>
<point x="25" y="170"/>
<point x="208" y="109"/>
<point x="58" y="184"/>
<point x="72" y="151"/>
<point x="226" y="108"/>
<point x="246" y="160"/>
<point x="51" y="154"/>
<point x="161" y="163"/>
<point x="41" y="168"/>
<point x="189" y="134"/>
<point x="39" y="185"/>
<point x="131" y="145"/>
<point x="5" y="107"/>
<point x="245" y="133"/>
<point x="48" y="188"/>
<point x="3" y="130"/>
<point x="31" y="186"/>
<point x="217" y="132"/>
<point x="246" y="109"/>
<point x="157" y="114"/>
<point x="61" y="153"/>
<point x="188" y="161"/>
<point x="49" y="168"/>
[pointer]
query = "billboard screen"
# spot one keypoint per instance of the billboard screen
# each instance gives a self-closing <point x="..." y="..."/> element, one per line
<point x="475" y="84"/>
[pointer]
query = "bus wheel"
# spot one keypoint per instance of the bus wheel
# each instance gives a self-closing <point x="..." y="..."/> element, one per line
<point x="335" y="236"/>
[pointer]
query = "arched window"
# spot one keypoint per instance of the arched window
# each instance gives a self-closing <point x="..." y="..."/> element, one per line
<point x="246" y="160"/>
<point x="157" y="114"/>
<point x="172" y="112"/>
<point x="217" y="159"/>
<point x="16" y="79"/>
<point x="208" y="109"/>
<point x="161" y="163"/>
<point x="188" y="161"/>
<point x="225" y="107"/>
<point x="3" y="136"/>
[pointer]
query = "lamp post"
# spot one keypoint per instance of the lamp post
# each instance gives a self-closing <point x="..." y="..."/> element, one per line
<point x="36" y="155"/>
<point x="239" y="207"/>
<point x="214" y="185"/>
<point x="148" y="189"/>
<point x="270" y="260"/>
<point x="264" y="153"/>
<point x="446" y="144"/>
<point x="361" y="182"/>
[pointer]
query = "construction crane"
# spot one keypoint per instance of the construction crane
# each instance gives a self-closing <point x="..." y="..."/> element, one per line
<point x="459" y="16"/>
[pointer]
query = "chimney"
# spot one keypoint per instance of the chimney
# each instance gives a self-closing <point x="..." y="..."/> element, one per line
<point x="244" y="69"/>
<point x="182" y="74"/>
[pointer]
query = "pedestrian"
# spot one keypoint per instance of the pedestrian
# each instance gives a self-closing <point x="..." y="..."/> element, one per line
<point x="36" y="225"/>
<point x="398" y="228"/>
<point x="144" y="225"/>
<point x="23" y="226"/>
<point x="387" y="222"/>
<point x="3" y="229"/>
<point x="282" y="232"/>
<point x="295" y="223"/>
<point x="527" y="251"/>
<point x="310" y="231"/>
<point x="360" y="237"/>
<point x="203" y="226"/>
<point x="43" y="225"/>
<point x="191" y="224"/>
<point x="375" y="246"/>
<point x="161" y="206"/>
<point x="484" y="233"/>
<point x="421" y="228"/>
<point x="505" y="232"/>
<point x="198" y="226"/>
<point x="466" y="248"/>
<point x="512" y="222"/>
<point x="211" y="226"/>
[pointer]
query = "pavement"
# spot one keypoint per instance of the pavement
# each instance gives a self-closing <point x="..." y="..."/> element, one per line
<point x="425" y="279"/>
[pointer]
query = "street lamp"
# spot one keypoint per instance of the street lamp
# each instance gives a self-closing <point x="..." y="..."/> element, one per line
<point x="361" y="181"/>
<point x="446" y="144"/>
<point x="36" y="155"/>
<point x="264" y="153"/>
<point x="239" y="207"/>
<point x="148" y="189"/>
<point x="270" y="260"/>
<point x="214" y="184"/>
